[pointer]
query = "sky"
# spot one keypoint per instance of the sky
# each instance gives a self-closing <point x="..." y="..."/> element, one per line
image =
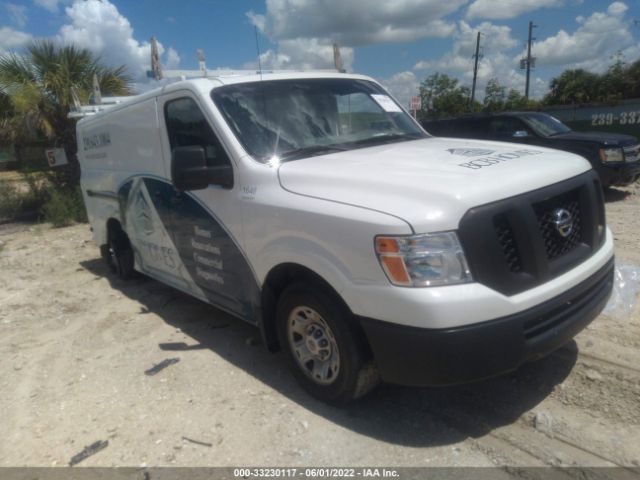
<point x="398" y="42"/>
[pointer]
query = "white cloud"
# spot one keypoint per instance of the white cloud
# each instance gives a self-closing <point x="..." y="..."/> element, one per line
<point x="617" y="8"/>
<point x="357" y="22"/>
<point x="496" y="41"/>
<point x="504" y="9"/>
<point x="99" y="26"/>
<point x="402" y="86"/>
<point x="597" y="38"/>
<point x="173" y="59"/>
<point x="303" y="53"/>
<point x="592" y="45"/>
<point x="11" y="39"/>
<point x="17" y="13"/>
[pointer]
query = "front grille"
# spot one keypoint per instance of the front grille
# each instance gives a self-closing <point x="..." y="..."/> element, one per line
<point x="546" y="213"/>
<point x="517" y="243"/>
<point x="508" y="243"/>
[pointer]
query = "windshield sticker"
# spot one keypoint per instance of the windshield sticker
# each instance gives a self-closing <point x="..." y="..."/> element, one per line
<point x="489" y="160"/>
<point x="386" y="103"/>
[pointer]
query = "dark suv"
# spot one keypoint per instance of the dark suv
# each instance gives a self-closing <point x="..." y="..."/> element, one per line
<point x="615" y="157"/>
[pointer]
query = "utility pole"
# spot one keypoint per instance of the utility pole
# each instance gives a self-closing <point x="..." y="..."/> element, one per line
<point x="337" y="59"/>
<point x="530" y="61"/>
<point x="475" y="69"/>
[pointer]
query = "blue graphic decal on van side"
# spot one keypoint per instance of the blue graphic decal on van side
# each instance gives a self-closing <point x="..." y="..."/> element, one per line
<point x="209" y="254"/>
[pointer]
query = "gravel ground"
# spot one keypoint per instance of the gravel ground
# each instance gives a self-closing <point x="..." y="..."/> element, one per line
<point x="75" y="344"/>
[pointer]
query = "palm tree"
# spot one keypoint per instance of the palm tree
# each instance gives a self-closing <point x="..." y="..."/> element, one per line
<point x="38" y="88"/>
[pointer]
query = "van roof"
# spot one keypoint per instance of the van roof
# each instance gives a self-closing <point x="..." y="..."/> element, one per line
<point x="217" y="79"/>
<point x="230" y="78"/>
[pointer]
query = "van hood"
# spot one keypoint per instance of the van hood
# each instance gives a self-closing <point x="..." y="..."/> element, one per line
<point x="430" y="183"/>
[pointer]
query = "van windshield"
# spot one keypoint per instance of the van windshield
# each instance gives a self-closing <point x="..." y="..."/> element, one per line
<point x="292" y="119"/>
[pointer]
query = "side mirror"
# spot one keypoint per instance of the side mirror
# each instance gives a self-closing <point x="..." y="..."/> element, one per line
<point x="189" y="170"/>
<point x="520" y="134"/>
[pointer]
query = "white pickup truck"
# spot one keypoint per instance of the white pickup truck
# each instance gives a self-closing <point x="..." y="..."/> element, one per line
<point x="314" y="207"/>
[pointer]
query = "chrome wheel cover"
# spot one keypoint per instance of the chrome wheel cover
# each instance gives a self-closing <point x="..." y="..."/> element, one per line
<point x="313" y="345"/>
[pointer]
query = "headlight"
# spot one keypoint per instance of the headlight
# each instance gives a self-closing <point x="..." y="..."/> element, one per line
<point x="427" y="260"/>
<point x="611" y="155"/>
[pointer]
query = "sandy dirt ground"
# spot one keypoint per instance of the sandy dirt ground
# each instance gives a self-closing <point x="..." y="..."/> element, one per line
<point x="75" y="343"/>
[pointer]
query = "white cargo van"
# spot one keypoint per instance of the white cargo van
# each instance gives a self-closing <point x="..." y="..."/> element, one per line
<point x="314" y="207"/>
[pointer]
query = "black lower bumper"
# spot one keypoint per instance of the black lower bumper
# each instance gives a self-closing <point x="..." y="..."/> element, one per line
<point x="620" y="175"/>
<point x="428" y="357"/>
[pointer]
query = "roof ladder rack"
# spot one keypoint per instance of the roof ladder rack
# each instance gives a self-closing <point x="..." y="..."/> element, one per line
<point x="101" y="103"/>
<point x="157" y="73"/>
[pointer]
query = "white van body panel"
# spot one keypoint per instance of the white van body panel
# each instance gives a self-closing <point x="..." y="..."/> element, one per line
<point x="336" y="240"/>
<point x="321" y="213"/>
<point x="113" y="147"/>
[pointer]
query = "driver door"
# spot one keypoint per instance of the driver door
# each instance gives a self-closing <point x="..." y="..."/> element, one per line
<point x="201" y="222"/>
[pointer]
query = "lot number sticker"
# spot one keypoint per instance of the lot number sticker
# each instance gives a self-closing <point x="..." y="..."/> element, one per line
<point x="386" y="103"/>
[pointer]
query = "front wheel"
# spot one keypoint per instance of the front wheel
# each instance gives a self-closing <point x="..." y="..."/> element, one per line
<point x="325" y="349"/>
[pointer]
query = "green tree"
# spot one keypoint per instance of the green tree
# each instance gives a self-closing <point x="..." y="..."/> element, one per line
<point x="517" y="101"/>
<point x="621" y="81"/>
<point x="443" y="96"/>
<point x="632" y="80"/>
<point x="494" y="96"/>
<point x="11" y="135"/>
<point x="7" y="129"/>
<point x="574" y="86"/>
<point x="39" y="87"/>
<point x="612" y="83"/>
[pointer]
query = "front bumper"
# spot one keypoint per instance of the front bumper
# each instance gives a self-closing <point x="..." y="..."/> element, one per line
<point x="620" y="175"/>
<point x="428" y="357"/>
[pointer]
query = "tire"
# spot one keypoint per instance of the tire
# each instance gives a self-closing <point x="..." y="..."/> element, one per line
<point x="326" y="351"/>
<point x="118" y="254"/>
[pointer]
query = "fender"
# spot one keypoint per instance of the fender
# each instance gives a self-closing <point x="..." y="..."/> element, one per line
<point x="311" y="255"/>
<point x="101" y="207"/>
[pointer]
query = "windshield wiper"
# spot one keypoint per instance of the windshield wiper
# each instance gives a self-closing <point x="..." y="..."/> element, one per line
<point x="302" y="152"/>
<point x="387" y="138"/>
<point x="313" y="150"/>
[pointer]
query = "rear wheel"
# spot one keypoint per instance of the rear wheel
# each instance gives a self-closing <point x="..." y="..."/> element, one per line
<point x="326" y="350"/>
<point x="118" y="254"/>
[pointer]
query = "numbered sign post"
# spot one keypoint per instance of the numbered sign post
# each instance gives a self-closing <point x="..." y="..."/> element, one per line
<point x="56" y="156"/>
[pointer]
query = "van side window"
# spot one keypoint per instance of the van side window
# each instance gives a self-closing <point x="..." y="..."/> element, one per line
<point x="187" y="126"/>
